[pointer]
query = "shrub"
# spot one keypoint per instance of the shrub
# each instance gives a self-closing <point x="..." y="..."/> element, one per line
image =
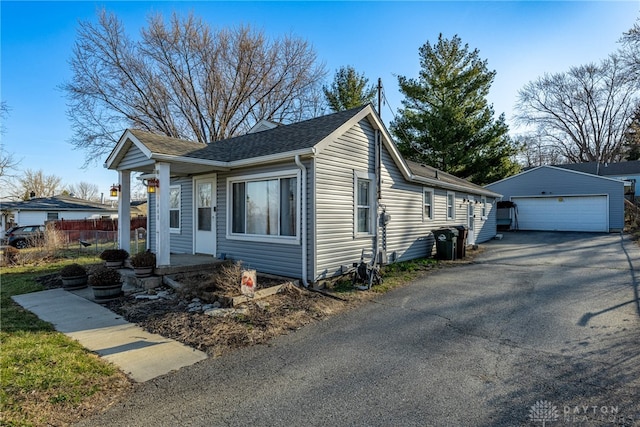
<point x="144" y="259"/>
<point x="104" y="276"/>
<point x="9" y="255"/>
<point x="114" y="255"/>
<point x="73" y="270"/>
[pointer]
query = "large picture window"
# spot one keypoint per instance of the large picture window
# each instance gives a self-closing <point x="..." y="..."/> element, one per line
<point x="174" y="208"/>
<point x="264" y="207"/>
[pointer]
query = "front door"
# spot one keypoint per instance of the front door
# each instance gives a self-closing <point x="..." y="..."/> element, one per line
<point x="205" y="215"/>
<point x="471" y="236"/>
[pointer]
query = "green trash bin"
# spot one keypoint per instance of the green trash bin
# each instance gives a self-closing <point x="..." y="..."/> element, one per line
<point x="446" y="239"/>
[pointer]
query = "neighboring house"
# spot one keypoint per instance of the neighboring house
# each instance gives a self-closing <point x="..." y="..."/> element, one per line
<point x="626" y="171"/>
<point x="301" y="200"/>
<point x="552" y="198"/>
<point x="37" y="211"/>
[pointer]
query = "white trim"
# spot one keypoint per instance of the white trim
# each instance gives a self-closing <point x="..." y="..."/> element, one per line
<point x="271" y="158"/>
<point x="452" y="206"/>
<point x="371" y="178"/>
<point x="431" y="191"/>
<point x="287" y="240"/>
<point x="190" y="160"/>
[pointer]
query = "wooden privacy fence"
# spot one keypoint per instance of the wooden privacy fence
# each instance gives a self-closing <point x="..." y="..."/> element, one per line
<point x="96" y="235"/>
<point x="106" y="224"/>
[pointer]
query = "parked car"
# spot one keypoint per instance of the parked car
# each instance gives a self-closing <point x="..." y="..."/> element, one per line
<point x="21" y="237"/>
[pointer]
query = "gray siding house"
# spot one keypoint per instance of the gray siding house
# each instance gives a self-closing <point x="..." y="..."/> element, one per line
<point x="301" y="200"/>
<point x="37" y="211"/>
<point x="625" y="171"/>
<point x="551" y="198"/>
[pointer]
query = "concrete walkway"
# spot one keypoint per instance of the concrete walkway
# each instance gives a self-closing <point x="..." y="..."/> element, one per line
<point x="139" y="354"/>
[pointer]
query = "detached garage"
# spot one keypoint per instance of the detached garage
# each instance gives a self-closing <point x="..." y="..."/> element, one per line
<point x="548" y="198"/>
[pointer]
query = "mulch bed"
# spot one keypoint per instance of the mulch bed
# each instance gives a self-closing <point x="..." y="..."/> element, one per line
<point x="173" y="315"/>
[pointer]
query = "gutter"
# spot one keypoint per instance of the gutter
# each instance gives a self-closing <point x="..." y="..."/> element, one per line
<point x="303" y="218"/>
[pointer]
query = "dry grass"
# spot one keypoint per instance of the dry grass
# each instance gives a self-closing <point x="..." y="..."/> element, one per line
<point x="632" y="222"/>
<point x="224" y="281"/>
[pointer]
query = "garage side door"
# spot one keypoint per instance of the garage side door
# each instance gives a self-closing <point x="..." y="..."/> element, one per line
<point x="563" y="213"/>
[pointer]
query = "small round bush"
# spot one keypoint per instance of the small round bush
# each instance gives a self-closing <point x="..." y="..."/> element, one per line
<point x="73" y="270"/>
<point x="114" y="255"/>
<point x="104" y="276"/>
<point x="143" y="259"/>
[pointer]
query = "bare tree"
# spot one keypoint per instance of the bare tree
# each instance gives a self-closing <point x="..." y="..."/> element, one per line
<point x="8" y="162"/>
<point x="85" y="190"/>
<point x="35" y="182"/>
<point x="630" y="50"/>
<point x="185" y="80"/>
<point x="535" y="152"/>
<point x="584" y="112"/>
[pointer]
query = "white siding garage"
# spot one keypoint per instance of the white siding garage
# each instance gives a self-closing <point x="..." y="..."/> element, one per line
<point x="563" y="213"/>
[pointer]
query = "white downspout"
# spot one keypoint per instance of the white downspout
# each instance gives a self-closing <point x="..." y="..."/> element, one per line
<point x="303" y="218"/>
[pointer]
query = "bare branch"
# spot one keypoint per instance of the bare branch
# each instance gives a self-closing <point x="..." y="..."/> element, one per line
<point x="184" y="80"/>
<point x="584" y="112"/>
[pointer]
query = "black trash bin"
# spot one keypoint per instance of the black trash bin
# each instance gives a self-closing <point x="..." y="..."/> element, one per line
<point x="446" y="240"/>
<point x="461" y="248"/>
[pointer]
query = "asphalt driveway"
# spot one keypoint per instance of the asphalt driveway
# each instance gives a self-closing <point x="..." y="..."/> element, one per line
<point x="540" y="319"/>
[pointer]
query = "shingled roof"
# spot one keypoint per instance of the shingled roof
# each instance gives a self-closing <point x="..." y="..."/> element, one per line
<point x="57" y="203"/>
<point x="287" y="140"/>
<point x="282" y="139"/>
<point x="605" y="169"/>
<point x="431" y="173"/>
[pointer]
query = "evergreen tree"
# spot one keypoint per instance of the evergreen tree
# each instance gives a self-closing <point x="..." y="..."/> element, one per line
<point x="446" y="121"/>
<point x="348" y="90"/>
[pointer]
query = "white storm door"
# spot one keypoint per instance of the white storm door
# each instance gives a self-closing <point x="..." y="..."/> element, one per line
<point x="205" y="216"/>
<point x="471" y="235"/>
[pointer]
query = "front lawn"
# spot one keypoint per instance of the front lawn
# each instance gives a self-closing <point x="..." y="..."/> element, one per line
<point x="47" y="378"/>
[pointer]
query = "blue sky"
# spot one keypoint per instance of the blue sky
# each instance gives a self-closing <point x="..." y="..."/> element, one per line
<point x="521" y="40"/>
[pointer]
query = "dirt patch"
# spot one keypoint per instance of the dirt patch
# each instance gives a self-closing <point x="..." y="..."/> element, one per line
<point x="206" y="323"/>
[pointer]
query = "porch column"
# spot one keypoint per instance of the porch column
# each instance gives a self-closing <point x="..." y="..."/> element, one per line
<point x="162" y="216"/>
<point x="124" y="210"/>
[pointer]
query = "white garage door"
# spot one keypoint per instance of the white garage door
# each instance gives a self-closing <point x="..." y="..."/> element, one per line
<point x="563" y="213"/>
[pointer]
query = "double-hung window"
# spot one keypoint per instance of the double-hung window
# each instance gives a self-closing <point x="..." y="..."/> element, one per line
<point x="263" y="207"/>
<point x="451" y="205"/>
<point x="427" y="201"/>
<point x="483" y="206"/>
<point x="174" y="208"/>
<point x="364" y="208"/>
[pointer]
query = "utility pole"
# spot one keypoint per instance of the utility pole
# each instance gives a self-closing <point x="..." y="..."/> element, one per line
<point x="380" y="97"/>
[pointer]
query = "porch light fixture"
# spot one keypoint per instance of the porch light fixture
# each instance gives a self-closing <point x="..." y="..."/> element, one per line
<point x="115" y="189"/>
<point x="152" y="184"/>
